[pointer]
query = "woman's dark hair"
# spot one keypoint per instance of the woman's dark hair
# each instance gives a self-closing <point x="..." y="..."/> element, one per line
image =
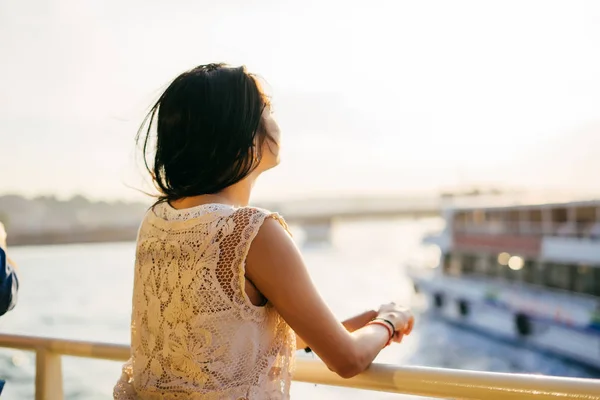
<point x="209" y="133"/>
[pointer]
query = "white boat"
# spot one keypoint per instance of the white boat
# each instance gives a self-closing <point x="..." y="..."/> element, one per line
<point x="528" y="273"/>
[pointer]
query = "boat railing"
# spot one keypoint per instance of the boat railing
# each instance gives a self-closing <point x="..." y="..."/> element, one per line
<point x="419" y="381"/>
<point x="537" y="290"/>
<point x="582" y="230"/>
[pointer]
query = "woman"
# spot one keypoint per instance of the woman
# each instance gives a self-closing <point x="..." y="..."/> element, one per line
<point x="222" y="298"/>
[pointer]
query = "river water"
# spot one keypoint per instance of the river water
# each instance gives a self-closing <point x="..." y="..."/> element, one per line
<point x="83" y="292"/>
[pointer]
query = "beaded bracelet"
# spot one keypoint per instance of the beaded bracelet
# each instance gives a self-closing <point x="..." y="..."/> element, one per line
<point x="387" y="321"/>
<point x="386" y="325"/>
<point x="376" y="321"/>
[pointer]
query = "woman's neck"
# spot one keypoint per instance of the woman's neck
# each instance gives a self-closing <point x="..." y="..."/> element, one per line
<point x="237" y="195"/>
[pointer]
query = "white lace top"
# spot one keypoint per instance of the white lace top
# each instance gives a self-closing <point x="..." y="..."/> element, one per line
<point x="194" y="332"/>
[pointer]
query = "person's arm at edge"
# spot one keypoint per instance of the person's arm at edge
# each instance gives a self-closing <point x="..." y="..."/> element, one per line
<point x="9" y="283"/>
<point x="10" y="262"/>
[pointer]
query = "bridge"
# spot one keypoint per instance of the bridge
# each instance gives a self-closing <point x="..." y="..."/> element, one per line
<point x="316" y="216"/>
<point x="316" y="210"/>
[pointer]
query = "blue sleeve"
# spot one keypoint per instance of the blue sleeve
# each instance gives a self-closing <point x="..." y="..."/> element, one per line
<point x="9" y="285"/>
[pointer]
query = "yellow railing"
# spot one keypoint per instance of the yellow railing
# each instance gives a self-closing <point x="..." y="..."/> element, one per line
<point x="430" y="382"/>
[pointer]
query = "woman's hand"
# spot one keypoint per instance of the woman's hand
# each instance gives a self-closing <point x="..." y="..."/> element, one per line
<point x="400" y="317"/>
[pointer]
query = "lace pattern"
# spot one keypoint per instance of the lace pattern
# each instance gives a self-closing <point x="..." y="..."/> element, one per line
<point x="194" y="332"/>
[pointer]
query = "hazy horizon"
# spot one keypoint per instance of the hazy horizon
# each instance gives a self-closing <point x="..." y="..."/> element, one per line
<point x="379" y="97"/>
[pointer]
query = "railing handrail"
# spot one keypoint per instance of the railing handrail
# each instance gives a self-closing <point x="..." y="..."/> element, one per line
<point x="66" y="347"/>
<point x="420" y="381"/>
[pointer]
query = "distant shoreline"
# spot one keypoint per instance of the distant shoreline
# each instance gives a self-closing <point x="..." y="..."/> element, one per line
<point x="103" y="235"/>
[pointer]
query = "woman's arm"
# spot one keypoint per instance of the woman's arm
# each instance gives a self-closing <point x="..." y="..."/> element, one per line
<point x="358" y="321"/>
<point x="351" y="324"/>
<point x="277" y="269"/>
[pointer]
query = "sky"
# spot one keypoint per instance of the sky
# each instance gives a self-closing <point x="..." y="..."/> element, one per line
<point x="372" y="96"/>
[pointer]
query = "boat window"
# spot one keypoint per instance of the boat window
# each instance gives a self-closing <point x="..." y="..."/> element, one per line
<point x="460" y="221"/>
<point x="447" y="259"/>
<point x="481" y="265"/>
<point x="558" y="276"/>
<point x="594" y="232"/>
<point x="510" y="274"/>
<point x="585" y="218"/>
<point x="530" y="272"/>
<point x="495" y="222"/>
<point x="587" y="279"/>
<point x="535" y="222"/>
<point x="511" y="224"/>
<point x="494" y="269"/>
<point x="468" y="264"/>
<point x="455" y="265"/>
<point x="596" y="280"/>
<point x="560" y="221"/>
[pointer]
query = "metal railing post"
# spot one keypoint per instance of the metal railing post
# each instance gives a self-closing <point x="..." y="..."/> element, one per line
<point x="48" y="376"/>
